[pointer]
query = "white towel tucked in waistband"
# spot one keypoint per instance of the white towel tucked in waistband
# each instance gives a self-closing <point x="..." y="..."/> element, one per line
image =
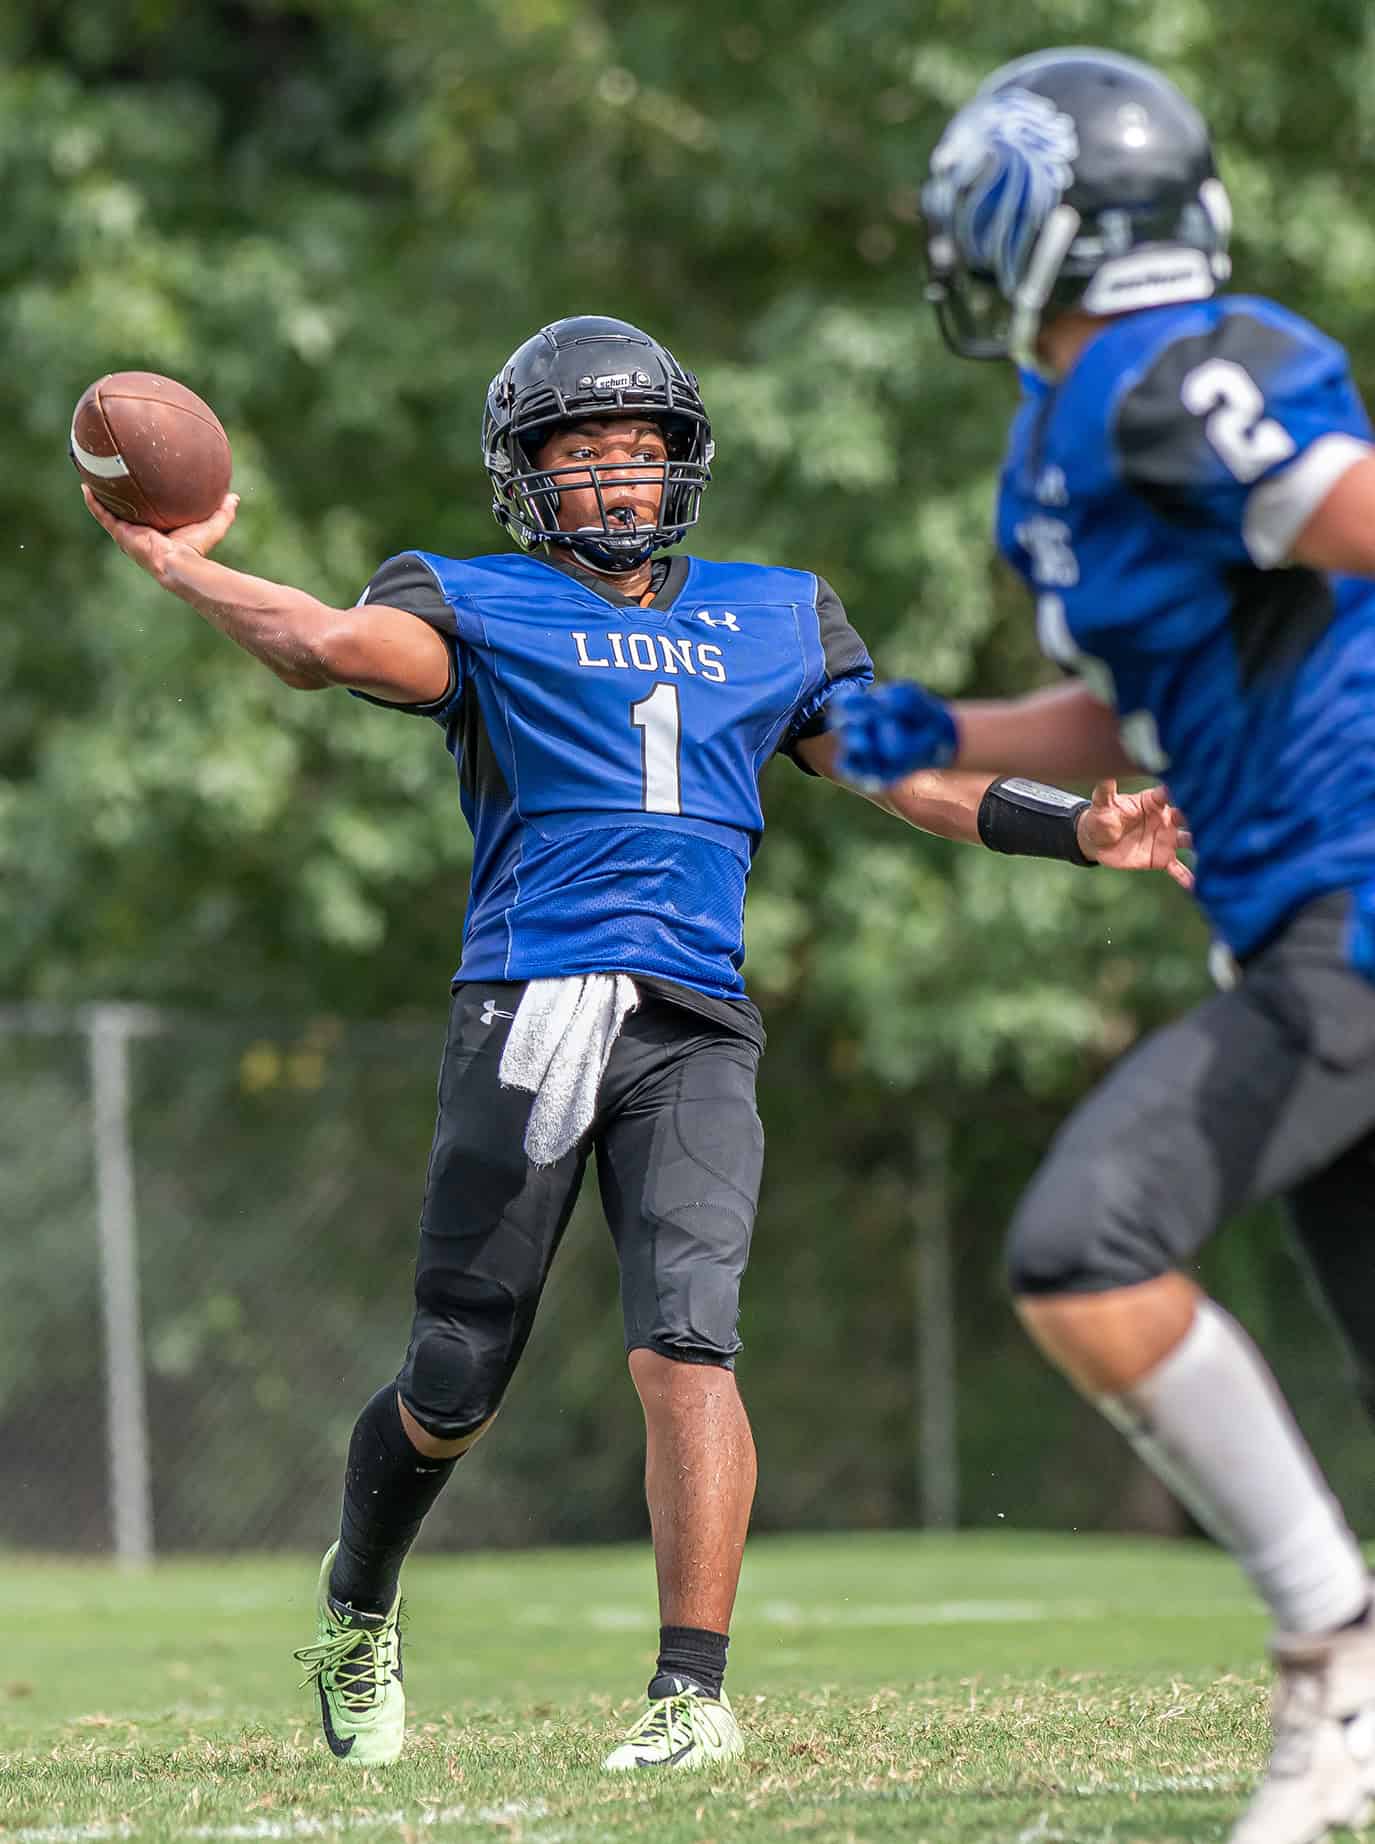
<point x="557" y="1048"/>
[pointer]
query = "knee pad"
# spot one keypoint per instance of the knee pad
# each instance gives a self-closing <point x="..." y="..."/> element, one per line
<point x="1086" y="1225"/>
<point x="459" y="1363"/>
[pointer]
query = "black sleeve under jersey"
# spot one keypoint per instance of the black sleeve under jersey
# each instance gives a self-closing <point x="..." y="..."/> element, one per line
<point x="847" y="658"/>
<point x="408" y="583"/>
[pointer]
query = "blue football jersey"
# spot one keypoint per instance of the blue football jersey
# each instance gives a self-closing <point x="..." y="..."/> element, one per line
<point x="609" y="754"/>
<point x="1151" y="500"/>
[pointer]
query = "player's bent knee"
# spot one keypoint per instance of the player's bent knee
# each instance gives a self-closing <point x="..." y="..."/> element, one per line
<point x="455" y="1376"/>
<point x="1083" y="1226"/>
<point x="448" y="1445"/>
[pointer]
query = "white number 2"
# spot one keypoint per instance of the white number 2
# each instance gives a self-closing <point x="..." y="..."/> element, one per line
<point x="1230" y="401"/>
<point x="658" y="720"/>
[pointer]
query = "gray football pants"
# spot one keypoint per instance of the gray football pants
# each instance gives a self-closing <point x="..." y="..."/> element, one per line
<point x="1267" y="1090"/>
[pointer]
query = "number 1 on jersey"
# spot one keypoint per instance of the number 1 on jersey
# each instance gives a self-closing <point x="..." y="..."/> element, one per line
<point x="657" y="719"/>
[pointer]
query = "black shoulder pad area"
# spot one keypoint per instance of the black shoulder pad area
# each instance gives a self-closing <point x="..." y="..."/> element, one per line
<point x="842" y="646"/>
<point x="1163" y="448"/>
<point x="407" y="582"/>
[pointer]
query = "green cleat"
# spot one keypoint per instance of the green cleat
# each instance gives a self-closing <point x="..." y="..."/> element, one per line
<point x="683" y="1728"/>
<point x="355" y="1664"/>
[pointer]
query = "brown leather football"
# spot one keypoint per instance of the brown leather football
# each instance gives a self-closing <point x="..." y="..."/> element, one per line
<point x="150" y="450"/>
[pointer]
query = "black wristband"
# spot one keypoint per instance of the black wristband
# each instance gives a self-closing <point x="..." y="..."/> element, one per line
<point x="1031" y="820"/>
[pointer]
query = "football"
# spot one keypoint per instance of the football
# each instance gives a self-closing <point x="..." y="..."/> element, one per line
<point x="150" y="450"/>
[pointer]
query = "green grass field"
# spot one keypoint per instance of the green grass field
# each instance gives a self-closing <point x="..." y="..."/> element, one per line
<point x="934" y="1690"/>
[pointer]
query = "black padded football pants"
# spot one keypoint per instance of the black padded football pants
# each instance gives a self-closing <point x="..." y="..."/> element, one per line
<point x="679" y="1151"/>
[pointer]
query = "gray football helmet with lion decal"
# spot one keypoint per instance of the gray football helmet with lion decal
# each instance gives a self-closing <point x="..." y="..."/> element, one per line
<point x="1074" y="178"/>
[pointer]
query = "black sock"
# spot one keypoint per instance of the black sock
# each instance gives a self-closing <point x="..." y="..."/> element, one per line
<point x="690" y="1652"/>
<point x="388" y="1487"/>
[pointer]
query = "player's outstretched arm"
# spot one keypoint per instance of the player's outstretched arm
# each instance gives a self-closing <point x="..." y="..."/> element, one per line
<point x="943" y="801"/>
<point x="1128" y="832"/>
<point x="1061" y="734"/>
<point x="308" y="644"/>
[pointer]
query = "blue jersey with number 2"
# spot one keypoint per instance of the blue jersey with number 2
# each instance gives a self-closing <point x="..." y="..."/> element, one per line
<point x="609" y="754"/>
<point x="1151" y="500"/>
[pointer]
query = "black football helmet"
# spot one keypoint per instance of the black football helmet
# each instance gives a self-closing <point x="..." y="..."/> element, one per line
<point x="1074" y="178"/>
<point x="580" y="370"/>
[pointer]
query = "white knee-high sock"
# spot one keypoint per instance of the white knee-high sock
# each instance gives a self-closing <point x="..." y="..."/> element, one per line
<point x="1210" y="1421"/>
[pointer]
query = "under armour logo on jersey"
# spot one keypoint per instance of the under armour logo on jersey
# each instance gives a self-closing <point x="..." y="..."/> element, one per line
<point x="490" y="1012"/>
<point x="725" y="620"/>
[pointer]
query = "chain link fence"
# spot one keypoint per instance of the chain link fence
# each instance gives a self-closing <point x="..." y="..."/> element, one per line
<point x="206" y="1264"/>
<point x="206" y="1269"/>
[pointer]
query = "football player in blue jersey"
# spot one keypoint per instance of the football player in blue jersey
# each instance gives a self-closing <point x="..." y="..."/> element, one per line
<point x="1189" y="491"/>
<point x="609" y="711"/>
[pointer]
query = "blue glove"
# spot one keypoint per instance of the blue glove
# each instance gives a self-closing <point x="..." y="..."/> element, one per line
<point x="889" y="732"/>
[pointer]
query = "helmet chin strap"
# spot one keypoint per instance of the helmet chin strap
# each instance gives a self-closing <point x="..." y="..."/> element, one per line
<point x="605" y="564"/>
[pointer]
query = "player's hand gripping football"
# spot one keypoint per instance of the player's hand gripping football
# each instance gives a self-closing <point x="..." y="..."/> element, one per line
<point x="1136" y="832"/>
<point x="152" y="549"/>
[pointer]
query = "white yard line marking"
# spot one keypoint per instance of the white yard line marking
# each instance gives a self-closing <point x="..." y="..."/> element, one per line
<point x="623" y="1619"/>
<point x="1042" y="1832"/>
<point x="519" y="1812"/>
<point x="928" y="1613"/>
<point x="1168" y="1783"/>
<point x="516" y="1812"/>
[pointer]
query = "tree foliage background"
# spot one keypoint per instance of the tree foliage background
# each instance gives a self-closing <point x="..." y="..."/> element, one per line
<point x="334" y="219"/>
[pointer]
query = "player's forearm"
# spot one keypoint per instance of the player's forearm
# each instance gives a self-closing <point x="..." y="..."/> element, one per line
<point x="940" y="801"/>
<point x="285" y="628"/>
<point x="1061" y="734"/>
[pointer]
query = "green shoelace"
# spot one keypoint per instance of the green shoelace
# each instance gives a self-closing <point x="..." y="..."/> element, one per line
<point x="353" y="1662"/>
<point x="660" y="1720"/>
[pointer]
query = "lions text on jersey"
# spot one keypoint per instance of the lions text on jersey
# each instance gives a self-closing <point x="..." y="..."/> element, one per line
<point x="609" y="754"/>
<point x="1151" y="500"/>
